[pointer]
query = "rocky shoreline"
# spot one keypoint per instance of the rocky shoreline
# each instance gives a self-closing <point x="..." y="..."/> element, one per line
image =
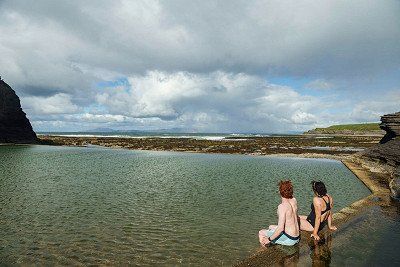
<point x="295" y="145"/>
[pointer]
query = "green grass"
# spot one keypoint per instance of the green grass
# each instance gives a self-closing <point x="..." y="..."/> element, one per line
<point x="352" y="127"/>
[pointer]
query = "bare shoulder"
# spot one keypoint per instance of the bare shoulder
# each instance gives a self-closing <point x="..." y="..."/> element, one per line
<point x="317" y="200"/>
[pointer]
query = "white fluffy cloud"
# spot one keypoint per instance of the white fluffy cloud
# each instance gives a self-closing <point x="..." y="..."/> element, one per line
<point x="56" y="104"/>
<point x="231" y="101"/>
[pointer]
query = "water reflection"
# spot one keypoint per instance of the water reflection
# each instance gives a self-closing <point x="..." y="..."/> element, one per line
<point x="320" y="251"/>
<point x="292" y="256"/>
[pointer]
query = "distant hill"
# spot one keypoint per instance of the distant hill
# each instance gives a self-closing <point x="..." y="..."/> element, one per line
<point x="349" y="129"/>
<point x="101" y="130"/>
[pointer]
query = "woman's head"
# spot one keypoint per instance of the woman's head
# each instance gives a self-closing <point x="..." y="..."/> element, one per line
<point x="286" y="189"/>
<point x="319" y="188"/>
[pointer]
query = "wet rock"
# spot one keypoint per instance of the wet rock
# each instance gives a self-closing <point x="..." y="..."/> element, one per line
<point x="388" y="151"/>
<point x="394" y="184"/>
<point x="395" y="188"/>
<point x="376" y="199"/>
<point x="14" y="125"/>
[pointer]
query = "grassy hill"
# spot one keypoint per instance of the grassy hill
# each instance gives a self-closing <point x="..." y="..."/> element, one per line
<point x="349" y="129"/>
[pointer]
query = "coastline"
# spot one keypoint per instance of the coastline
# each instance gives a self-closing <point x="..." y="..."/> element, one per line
<point x="305" y="146"/>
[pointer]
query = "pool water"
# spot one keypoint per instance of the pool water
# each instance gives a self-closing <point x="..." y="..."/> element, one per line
<point x="369" y="239"/>
<point x="77" y="205"/>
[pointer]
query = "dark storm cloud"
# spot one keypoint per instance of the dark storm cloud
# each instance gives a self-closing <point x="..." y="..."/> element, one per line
<point x="56" y="52"/>
<point x="327" y="38"/>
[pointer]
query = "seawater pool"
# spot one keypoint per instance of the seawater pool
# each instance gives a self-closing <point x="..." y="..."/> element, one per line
<point x="74" y="205"/>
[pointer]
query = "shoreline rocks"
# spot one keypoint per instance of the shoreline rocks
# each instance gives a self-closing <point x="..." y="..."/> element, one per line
<point x="387" y="152"/>
<point x="391" y="124"/>
<point x="14" y="125"/>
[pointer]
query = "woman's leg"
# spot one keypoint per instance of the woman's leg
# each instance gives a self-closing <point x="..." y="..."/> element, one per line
<point x="305" y="225"/>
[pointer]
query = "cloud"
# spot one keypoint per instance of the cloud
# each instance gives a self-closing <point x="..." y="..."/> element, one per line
<point x="57" y="104"/>
<point x="87" y="117"/>
<point x="199" y="64"/>
<point x="71" y="41"/>
<point x="319" y="84"/>
<point x="208" y="101"/>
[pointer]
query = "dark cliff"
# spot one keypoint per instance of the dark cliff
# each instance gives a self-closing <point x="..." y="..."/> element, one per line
<point x="14" y="125"/>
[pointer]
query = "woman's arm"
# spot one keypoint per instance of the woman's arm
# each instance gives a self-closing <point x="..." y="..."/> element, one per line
<point x="317" y="209"/>
<point x="281" y="223"/>
<point x="331" y="227"/>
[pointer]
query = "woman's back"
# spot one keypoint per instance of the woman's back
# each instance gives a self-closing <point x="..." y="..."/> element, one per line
<point x="324" y="204"/>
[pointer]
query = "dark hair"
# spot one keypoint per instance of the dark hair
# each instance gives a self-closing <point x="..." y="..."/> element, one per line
<point x="286" y="189"/>
<point x="319" y="188"/>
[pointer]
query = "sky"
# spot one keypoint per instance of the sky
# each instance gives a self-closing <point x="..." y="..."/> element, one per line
<point x="201" y="66"/>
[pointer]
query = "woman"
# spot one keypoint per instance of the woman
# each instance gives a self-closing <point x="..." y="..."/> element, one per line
<point x="287" y="231"/>
<point x="321" y="211"/>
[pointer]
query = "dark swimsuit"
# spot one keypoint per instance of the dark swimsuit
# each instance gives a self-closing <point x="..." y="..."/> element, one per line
<point x="311" y="216"/>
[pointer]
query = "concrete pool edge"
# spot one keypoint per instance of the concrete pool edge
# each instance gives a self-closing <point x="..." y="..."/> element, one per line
<point x="380" y="196"/>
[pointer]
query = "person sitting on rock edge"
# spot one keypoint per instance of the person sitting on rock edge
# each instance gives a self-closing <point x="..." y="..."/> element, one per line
<point x="287" y="232"/>
<point x="321" y="211"/>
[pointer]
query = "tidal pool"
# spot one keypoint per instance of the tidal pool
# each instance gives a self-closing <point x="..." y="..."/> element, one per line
<point x="369" y="239"/>
<point x="72" y="205"/>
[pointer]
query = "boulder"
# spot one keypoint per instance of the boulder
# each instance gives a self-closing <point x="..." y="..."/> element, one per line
<point x="14" y="125"/>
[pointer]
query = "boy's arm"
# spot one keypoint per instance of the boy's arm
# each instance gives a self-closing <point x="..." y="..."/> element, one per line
<point x="281" y="223"/>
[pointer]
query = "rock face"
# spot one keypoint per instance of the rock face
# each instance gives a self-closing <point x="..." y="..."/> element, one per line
<point x="14" y="125"/>
<point x="391" y="124"/>
<point x="388" y="151"/>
